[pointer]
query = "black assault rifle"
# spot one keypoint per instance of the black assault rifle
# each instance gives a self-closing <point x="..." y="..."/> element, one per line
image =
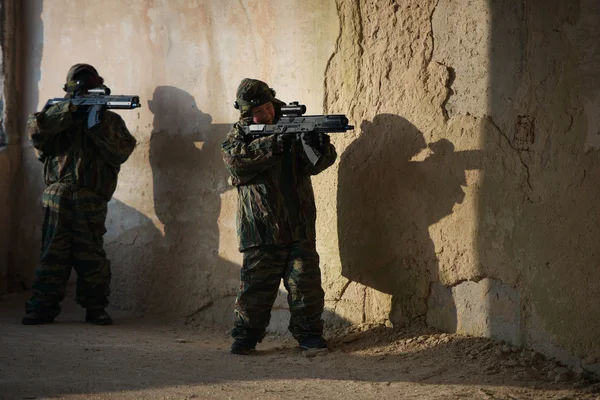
<point x="97" y="100"/>
<point x="293" y="122"/>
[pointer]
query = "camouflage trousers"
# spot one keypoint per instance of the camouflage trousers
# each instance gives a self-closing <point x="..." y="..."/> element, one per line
<point x="263" y="269"/>
<point x="72" y="237"/>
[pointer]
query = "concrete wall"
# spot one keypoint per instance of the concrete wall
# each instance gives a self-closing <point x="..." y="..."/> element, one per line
<point x="10" y="151"/>
<point x="464" y="197"/>
<point x="477" y="161"/>
<point x="544" y="60"/>
<point x="408" y="181"/>
<point x="171" y="225"/>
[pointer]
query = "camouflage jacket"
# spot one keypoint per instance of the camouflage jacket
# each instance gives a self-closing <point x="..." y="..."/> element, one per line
<point x="276" y="203"/>
<point x="72" y="154"/>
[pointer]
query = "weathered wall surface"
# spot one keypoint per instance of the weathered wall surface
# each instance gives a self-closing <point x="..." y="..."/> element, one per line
<point x="476" y="161"/>
<point x="171" y="224"/>
<point x="10" y="151"/>
<point x="464" y="197"/>
<point x="545" y="110"/>
<point x="418" y="168"/>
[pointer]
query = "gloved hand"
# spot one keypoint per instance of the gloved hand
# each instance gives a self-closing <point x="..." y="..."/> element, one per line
<point x="78" y="112"/>
<point x="316" y="140"/>
<point x="283" y="142"/>
<point x="58" y="116"/>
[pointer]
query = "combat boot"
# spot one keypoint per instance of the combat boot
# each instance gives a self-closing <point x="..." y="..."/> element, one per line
<point x="313" y="342"/>
<point x="243" y="346"/>
<point x="98" y="317"/>
<point x="35" y="318"/>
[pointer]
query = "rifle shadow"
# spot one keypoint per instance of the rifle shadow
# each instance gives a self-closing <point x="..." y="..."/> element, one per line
<point x="386" y="201"/>
<point x="188" y="180"/>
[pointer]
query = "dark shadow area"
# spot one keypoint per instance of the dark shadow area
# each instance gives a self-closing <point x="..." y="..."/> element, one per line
<point x="128" y="243"/>
<point x="386" y="201"/>
<point x="175" y="269"/>
<point x="538" y="221"/>
<point x="29" y="182"/>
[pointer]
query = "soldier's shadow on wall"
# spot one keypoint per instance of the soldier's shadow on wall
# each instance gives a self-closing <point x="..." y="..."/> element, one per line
<point x="188" y="179"/>
<point x="386" y="202"/>
<point x="180" y="272"/>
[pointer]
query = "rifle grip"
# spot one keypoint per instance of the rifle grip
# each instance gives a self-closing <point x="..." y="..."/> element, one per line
<point x="313" y="155"/>
<point x="94" y="116"/>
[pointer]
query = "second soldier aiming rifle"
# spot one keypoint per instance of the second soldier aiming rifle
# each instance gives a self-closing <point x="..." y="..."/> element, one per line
<point x="95" y="101"/>
<point x="294" y="122"/>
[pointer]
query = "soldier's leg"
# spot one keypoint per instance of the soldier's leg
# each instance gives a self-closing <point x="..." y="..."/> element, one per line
<point x="261" y="274"/>
<point x="52" y="274"/>
<point x="89" y="257"/>
<point x="306" y="297"/>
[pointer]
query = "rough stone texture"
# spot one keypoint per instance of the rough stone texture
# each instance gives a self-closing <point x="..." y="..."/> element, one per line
<point x="401" y="176"/>
<point x="473" y="159"/>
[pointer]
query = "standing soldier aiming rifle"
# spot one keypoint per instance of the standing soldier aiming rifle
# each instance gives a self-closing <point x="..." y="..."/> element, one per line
<point x="276" y="218"/>
<point x="82" y="157"/>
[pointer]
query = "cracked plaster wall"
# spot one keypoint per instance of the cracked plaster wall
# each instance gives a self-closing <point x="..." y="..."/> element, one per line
<point x="476" y="157"/>
<point x="409" y="175"/>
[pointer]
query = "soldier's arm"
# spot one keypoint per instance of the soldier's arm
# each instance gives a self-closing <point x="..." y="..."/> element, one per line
<point x="246" y="160"/>
<point x="113" y="139"/>
<point x="46" y="129"/>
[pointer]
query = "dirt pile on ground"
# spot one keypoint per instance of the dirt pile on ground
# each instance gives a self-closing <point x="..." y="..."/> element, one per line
<point x="455" y="352"/>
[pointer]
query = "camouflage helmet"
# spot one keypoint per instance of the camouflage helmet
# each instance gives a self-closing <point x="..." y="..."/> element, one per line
<point x="93" y="78"/>
<point x="252" y="93"/>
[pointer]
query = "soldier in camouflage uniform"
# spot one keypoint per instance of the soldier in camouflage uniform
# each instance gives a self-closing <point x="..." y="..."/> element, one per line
<point x="276" y="222"/>
<point x="81" y="166"/>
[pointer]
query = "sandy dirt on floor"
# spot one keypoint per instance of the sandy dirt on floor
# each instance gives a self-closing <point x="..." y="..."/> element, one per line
<point x="141" y="359"/>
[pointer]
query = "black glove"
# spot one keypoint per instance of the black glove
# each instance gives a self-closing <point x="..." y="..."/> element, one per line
<point x="311" y="139"/>
<point x="316" y="140"/>
<point x="79" y="112"/>
<point x="283" y="143"/>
